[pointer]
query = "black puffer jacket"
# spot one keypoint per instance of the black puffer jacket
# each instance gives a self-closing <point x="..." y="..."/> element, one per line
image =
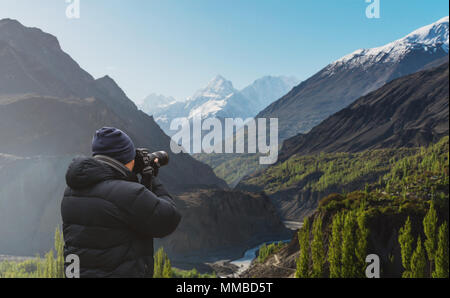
<point x="110" y="220"/>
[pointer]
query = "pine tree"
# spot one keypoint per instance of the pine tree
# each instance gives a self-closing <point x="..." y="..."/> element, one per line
<point x="158" y="267"/>
<point x="348" y="247"/>
<point x="430" y="229"/>
<point x="167" y="270"/>
<point x="406" y="241"/>
<point x="361" y="247"/>
<point x="263" y="253"/>
<point x="317" y="249"/>
<point x="441" y="257"/>
<point x="418" y="261"/>
<point x="162" y="267"/>
<point x="303" y="259"/>
<point x="49" y="265"/>
<point x="334" y="251"/>
<point x="39" y="267"/>
<point x="59" y="248"/>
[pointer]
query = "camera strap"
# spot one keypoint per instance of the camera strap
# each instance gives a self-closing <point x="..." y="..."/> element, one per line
<point x="114" y="164"/>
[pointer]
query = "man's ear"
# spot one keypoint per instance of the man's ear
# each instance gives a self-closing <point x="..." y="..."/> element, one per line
<point x="130" y="165"/>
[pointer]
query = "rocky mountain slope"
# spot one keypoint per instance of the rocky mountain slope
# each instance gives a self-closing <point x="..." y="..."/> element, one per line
<point x="154" y="103"/>
<point x="51" y="106"/>
<point x="219" y="225"/>
<point x="405" y="191"/>
<point x="408" y="112"/>
<point x="355" y="75"/>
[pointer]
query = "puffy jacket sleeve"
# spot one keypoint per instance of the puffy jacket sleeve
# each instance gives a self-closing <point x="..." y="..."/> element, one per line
<point x="153" y="214"/>
<point x="159" y="189"/>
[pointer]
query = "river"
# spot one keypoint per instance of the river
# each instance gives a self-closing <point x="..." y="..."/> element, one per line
<point x="245" y="262"/>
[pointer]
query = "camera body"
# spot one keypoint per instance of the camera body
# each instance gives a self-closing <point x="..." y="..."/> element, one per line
<point x="145" y="162"/>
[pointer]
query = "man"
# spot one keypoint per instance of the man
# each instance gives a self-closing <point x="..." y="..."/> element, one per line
<point x="109" y="218"/>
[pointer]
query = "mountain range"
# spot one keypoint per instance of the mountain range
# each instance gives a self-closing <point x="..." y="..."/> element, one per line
<point x="337" y="86"/>
<point x="154" y="103"/>
<point x="219" y="99"/>
<point x="348" y="150"/>
<point x="49" y="105"/>
<point x="411" y="111"/>
<point x="365" y="70"/>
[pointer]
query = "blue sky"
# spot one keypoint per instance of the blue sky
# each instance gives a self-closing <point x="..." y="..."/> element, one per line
<point x="174" y="47"/>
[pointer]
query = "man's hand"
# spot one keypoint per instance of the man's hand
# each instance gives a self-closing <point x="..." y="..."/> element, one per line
<point x="156" y="167"/>
<point x="150" y="172"/>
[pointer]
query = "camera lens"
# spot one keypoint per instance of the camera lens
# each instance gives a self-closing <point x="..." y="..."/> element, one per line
<point x="162" y="156"/>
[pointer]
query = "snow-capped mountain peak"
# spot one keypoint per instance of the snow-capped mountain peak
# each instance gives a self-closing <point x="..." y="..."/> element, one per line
<point x="428" y="38"/>
<point x="219" y="83"/>
<point x="155" y="102"/>
<point x="432" y="35"/>
<point x="220" y="99"/>
<point x="217" y="88"/>
<point x="209" y="108"/>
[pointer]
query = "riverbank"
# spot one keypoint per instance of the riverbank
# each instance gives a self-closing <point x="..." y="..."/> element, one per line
<point x="239" y="266"/>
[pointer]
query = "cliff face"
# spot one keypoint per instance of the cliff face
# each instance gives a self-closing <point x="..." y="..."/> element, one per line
<point x="219" y="224"/>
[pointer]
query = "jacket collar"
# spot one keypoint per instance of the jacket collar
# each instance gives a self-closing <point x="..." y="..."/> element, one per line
<point x="118" y="166"/>
<point x="85" y="172"/>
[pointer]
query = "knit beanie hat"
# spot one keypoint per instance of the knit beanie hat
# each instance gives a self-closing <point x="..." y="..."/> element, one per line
<point x="114" y="143"/>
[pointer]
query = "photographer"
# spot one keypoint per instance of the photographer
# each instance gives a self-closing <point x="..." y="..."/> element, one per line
<point x="109" y="215"/>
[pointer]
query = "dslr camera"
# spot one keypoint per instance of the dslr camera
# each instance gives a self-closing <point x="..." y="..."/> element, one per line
<point x="148" y="164"/>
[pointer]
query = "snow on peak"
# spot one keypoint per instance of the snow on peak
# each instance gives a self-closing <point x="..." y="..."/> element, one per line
<point x="154" y="103"/>
<point x="158" y="100"/>
<point x="217" y="89"/>
<point x="220" y="86"/>
<point x="208" y="109"/>
<point x="431" y="36"/>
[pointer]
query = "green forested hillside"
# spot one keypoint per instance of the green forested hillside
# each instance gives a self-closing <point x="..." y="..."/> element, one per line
<point x="231" y="167"/>
<point x="402" y="218"/>
<point x="410" y="183"/>
<point x="322" y="171"/>
<point x="297" y="184"/>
